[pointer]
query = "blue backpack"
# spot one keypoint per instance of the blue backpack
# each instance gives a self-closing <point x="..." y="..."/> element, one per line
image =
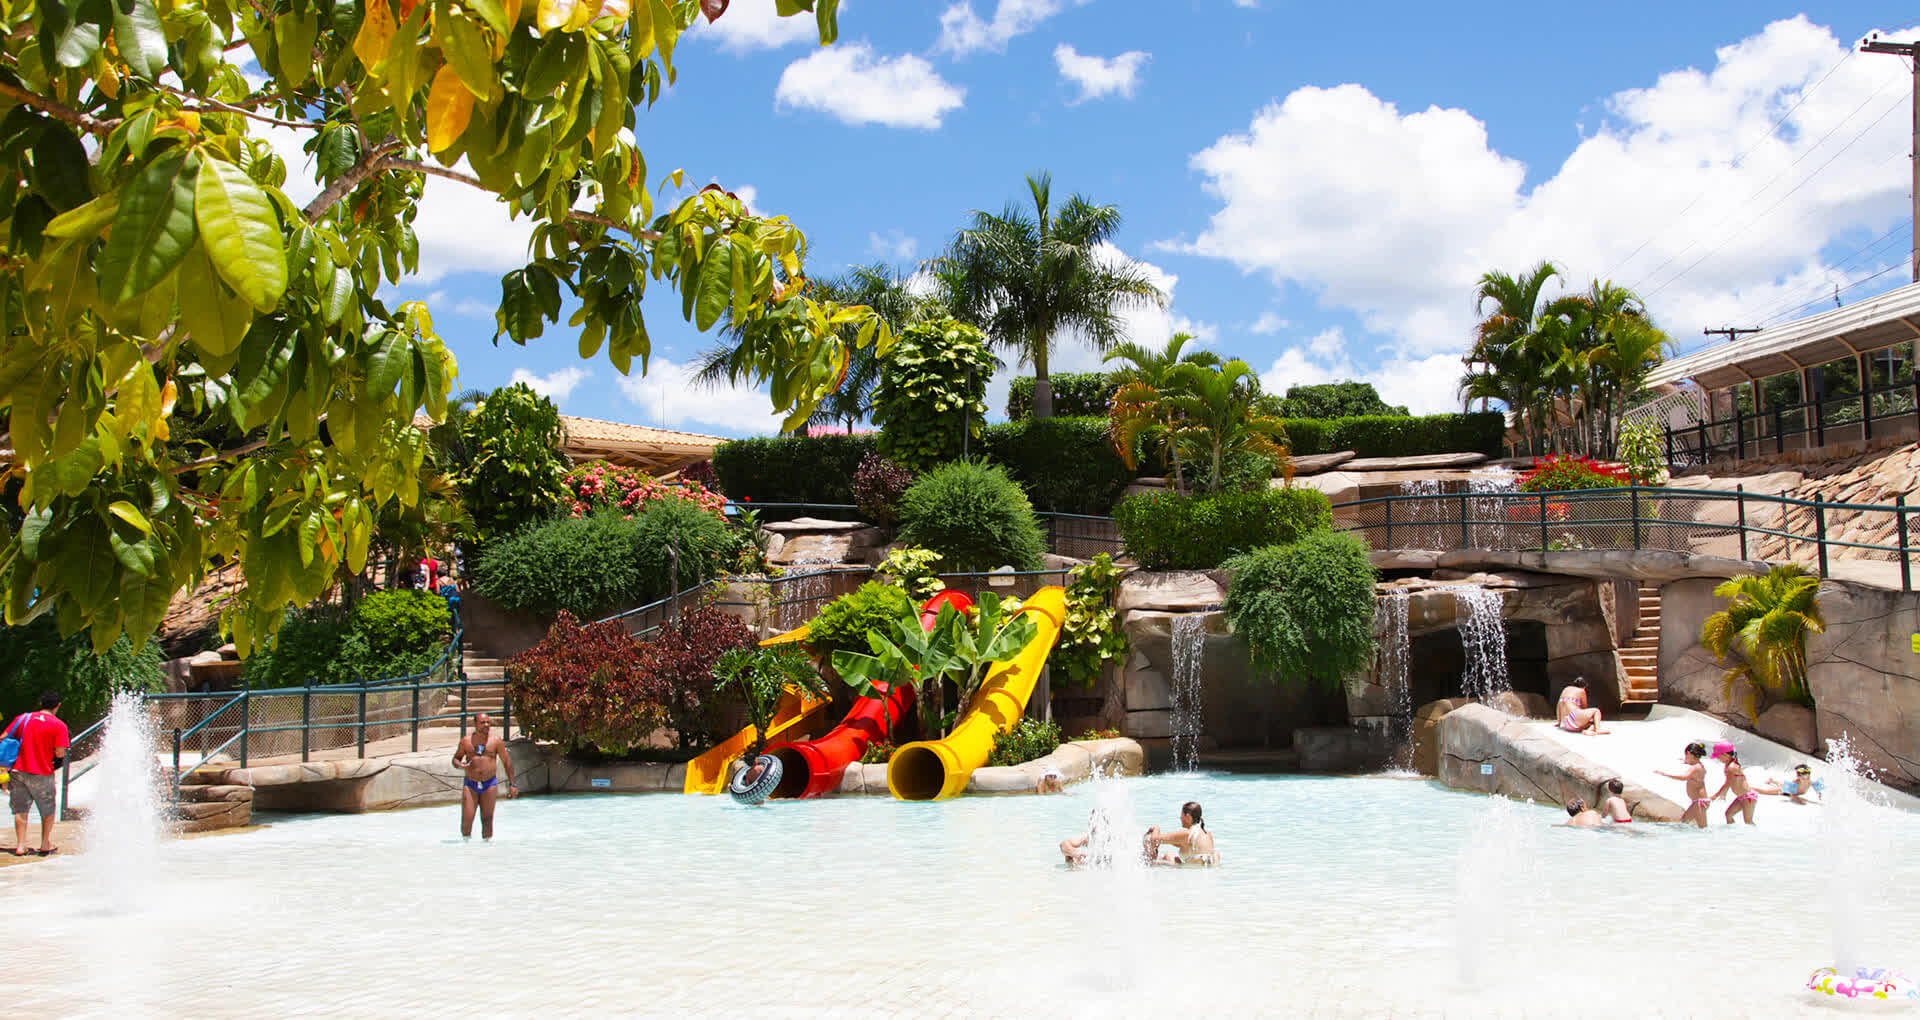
<point x="10" y="744"/>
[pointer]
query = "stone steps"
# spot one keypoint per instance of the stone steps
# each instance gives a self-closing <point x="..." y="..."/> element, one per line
<point x="1640" y="656"/>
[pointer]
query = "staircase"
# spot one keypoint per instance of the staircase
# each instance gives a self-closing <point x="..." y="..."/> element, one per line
<point x="1641" y="655"/>
<point x="488" y="690"/>
<point x="205" y="803"/>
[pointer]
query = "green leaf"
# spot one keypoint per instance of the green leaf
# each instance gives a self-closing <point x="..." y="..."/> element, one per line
<point x="85" y="221"/>
<point x="136" y="556"/>
<point x="494" y="13"/>
<point x="337" y="298"/>
<point x="390" y="356"/>
<point x="561" y="59"/>
<point x="142" y="43"/>
<point x="266" y="357"/>
<point x="60" y="167"/>
<point x="241" y="234"/>
<point x="216" y="321"/>
<point x="713" y="284"/>
<point x="293" y="36"/>
<point x="469" y="53"/>
<point x="126" y="511"/>
<point x="153" y="230"/>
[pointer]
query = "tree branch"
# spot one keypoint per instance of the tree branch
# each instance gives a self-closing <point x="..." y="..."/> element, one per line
<point x="369" y="165"/>
<point x="216" y="106"/>
<point x="415" y="166"/>
<point x="58" y="111"/>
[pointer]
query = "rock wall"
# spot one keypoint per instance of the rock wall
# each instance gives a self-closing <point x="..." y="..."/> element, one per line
<point x="1488" y="751"/>
<point x="1863" y="673"/>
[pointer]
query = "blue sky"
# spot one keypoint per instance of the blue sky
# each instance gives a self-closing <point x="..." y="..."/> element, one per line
<point x="1317" y="185"/>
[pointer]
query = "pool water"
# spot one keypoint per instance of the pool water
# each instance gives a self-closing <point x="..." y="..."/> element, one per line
<point x="1338" y="897"/>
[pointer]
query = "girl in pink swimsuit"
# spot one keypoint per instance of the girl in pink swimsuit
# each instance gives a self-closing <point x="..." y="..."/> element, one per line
<point x="1744" y="798"/>
<point x="1696" y="779"/>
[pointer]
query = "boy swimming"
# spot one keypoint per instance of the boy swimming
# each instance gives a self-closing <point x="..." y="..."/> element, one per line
<point x="1615" y="807"/>
<point x="1736" y="781"/>
<point x="1696" y="779"/>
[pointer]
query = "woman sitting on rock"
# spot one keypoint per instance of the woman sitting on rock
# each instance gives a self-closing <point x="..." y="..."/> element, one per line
<point x="1575" y="716"/>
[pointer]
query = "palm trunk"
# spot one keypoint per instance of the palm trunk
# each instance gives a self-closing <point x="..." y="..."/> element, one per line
<point x="1042" y="388"/>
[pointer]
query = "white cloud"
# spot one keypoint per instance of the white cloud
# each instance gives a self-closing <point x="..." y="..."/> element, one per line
<point x="1428" y="385"/>
<point x="962" y="31"/>
<point x="555" y="386"/>
<point x="466" y="307"/>
<point x="755" y="26"/>
<point x="1393" y="216"/>
<point x="1269" y="323"/>
<point x="668" y="397"/>
<point x="1100" y="76"/>
<point x="895" y="243"/>
<point x="853" y="84"/>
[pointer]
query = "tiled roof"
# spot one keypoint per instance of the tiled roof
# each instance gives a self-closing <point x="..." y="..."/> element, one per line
<point x="596" y="431"/>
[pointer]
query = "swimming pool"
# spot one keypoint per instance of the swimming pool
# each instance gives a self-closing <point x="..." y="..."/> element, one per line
<point x="1339" y="897"/>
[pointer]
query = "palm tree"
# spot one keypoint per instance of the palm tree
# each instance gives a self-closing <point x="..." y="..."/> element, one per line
<point x="1763" y="631"/>
<point x="1505" y="363"/>
<point x="1212" y="408"/>
<point x="1152" y="367"/>
<point x="1139" y="414"/>
<point x="1026" y="277"/>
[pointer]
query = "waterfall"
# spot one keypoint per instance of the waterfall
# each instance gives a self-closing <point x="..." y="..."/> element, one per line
<point x="1390" y="618"/>
<point x="1421" y="515"/>
<point x="802" y="597"/>
<point x="1487" y="510"/>
<point x="125" y="812"/>
<point x="1188" y="640"/>
<point x="1483" y="633"/>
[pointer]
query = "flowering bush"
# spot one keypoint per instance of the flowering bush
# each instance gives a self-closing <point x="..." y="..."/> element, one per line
<point x="1560" y="473"/>
<point x="600" y="485"/>
<point x="583" y="688"/>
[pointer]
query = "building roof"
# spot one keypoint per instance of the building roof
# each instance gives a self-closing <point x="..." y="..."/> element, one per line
<point x="1869" y="325"/>
<point x="656" y="451"/>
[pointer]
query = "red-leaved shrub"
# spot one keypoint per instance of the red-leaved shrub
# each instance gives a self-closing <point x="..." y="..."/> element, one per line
<point x="1560" y="473"/>
<point x="676" y="668"/>
<point x="878" y="485"/>
<point x="583" y="688"/>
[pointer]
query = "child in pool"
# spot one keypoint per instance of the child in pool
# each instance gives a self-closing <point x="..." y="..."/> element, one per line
<point x="1800" y="786"/>
<point x="1615" y="807"/>
<point x="1696" y="779"/>
<point x="1580" y="816"/>
<point x="1736" y="781"/>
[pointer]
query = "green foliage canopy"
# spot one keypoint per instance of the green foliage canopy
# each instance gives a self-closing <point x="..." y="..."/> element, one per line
<point x="932" y="392"/>
<point x="974" y="516"/>
<point x="1305" y="609"/>
<point x="513" y="478"/>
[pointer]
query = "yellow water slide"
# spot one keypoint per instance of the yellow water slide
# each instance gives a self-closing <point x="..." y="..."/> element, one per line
<point x="798" y="714"/>
<point x="938" y="769"/>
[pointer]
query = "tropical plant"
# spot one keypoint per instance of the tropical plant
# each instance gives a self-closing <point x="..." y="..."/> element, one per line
<point x="514" y="474"/>
<point x="957" y="648"/>
<point x="1306" y="609"/>
<point x="1026" y="740"/>
<point x="1140" y="414"/>
<point x="156" y="269"/>
<point x="974" y="516"/>
<point x="932" y="394"/>
<point x="676" y="671"/>
<point x="1761" y="635"/>
<point x="910" y="568"/>
<point x="1028" y="277"/>
<point x="1505" y="362"/>
<point x="1329" y="400"/>
<point x="1090" y="632"/>
<point x="34" y="658"/>
<point x="1205" y="411"/>
<point x="877" y="488"/>
<point x="1643" y="450"/>
<point x="845" y="622"/>
<point x="581" y="688"/>
<point x="761" y="677"/>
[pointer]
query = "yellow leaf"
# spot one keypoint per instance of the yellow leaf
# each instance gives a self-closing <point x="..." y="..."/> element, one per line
<point x="449" y="104"/>
<point x="376" y="34"/>
<point x="582" y="16"/>
<point x="550" y="15"/>
<point x="615" y="9"/>
<point x="513" y="15"/>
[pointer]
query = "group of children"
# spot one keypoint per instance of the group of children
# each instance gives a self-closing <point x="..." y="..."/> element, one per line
<point x="1745" y="794"/>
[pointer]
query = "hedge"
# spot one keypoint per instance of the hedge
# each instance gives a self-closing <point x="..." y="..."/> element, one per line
<point x="1075" y="395"/>
<point x="1065" y="464"/>
<point x="1168" y="531"/>
<point x="791" y="469"/>
<point x="1385" y="436"/>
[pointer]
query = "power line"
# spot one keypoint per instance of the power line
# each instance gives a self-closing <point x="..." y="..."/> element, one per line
<point x="1877" y="247"/>
<point x="1704" y="192"/>
<point x="1776" y="178"/>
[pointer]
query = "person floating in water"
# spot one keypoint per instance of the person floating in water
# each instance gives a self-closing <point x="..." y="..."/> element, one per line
<point x="481" y="754"/>
<point x="1078" y="850"/>
<point x="1580" y="816"/>
<point x="1575" y="716"/>
<point x="1744" y="798"/>
<point x="1615" y="807"/>
<point x="1696" y="779"/>
<point x="1193" y="842"/>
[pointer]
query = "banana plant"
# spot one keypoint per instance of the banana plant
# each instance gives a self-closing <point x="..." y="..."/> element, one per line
<point x="958" y="647"/>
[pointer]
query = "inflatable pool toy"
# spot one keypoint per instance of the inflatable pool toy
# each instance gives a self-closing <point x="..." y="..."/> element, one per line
<point x="752" y="784"/>
<point x="1877" y="983"/>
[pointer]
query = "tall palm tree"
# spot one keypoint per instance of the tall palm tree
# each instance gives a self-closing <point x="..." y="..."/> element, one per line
<point x="1762" y="633"/>
<point x="1027" y="277"/>
<point x="1505" y="363"/>
<point x="1139" y="415"/>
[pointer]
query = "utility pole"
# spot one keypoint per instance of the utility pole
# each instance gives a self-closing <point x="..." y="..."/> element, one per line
<point x="1911" y="51"/>
<point x="1732" y="333"/>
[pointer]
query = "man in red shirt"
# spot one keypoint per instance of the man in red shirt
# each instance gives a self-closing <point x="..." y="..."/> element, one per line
<point x="43" y="746"/>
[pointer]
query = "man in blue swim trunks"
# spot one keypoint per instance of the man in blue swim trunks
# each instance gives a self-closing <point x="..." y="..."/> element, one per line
<point x="481" y="754"/>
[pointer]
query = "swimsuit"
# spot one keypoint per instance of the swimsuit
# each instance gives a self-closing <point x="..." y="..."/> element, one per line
<point x="1567" y="723"/>
<point x="489" y="783"/>
<point x="1698" y="801"/>
<point x="1749" y="795"/>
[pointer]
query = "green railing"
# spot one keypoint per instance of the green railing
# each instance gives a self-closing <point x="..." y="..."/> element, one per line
<point x="1736" y="524"/>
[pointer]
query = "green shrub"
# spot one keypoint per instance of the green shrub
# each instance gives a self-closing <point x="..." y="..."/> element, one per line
<point x="1396" y="436"/>
<point x="1027" y="740"/>
<point x="1066" y="465"/>
<point x="34" y="658"/>
<point x="587" y="565"/>
<point x="1168" y="531"/>
<point x="842" y="624"/>
<point x="395" y="622"/>
<point x="1305" y="609"/>
<point x="388" y="634"/>
<point x="1090" y="635"/>
<point x="974" y="516"/>
<point x="514" y="467"/>
<point x="1075" y="394"/>
<point x="1330" y="400"/>
<point x="792" y="469"/>
<point x="1307" y="436"/>
<point x="932" y="392"/>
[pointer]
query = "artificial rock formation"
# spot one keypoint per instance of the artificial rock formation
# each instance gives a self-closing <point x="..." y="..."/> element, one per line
<point x="1489" y="751"/>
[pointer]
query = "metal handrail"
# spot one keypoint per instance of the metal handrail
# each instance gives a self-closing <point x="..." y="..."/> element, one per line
<point x="1812" y="420"/>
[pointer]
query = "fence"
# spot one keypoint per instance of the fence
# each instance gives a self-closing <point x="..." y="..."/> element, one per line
<point x="1735" y="524"/>
<point x="1845" y="417"/>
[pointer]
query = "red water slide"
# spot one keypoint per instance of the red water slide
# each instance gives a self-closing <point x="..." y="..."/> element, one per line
<point x="813" y="767"/>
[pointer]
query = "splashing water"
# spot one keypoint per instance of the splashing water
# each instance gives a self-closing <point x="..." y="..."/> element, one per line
<point x="1857" y="843"/>
<point x="1486" y="510"/>
<point x="126" y="816"/>
<point x="1390" y="618"/>
<point x="803" y="596"/>
<point x="1423" y="513"/>
<point x="1483" y="633"/>
<point x="1495" y="893"/>
<point x="1189" y="638"/>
